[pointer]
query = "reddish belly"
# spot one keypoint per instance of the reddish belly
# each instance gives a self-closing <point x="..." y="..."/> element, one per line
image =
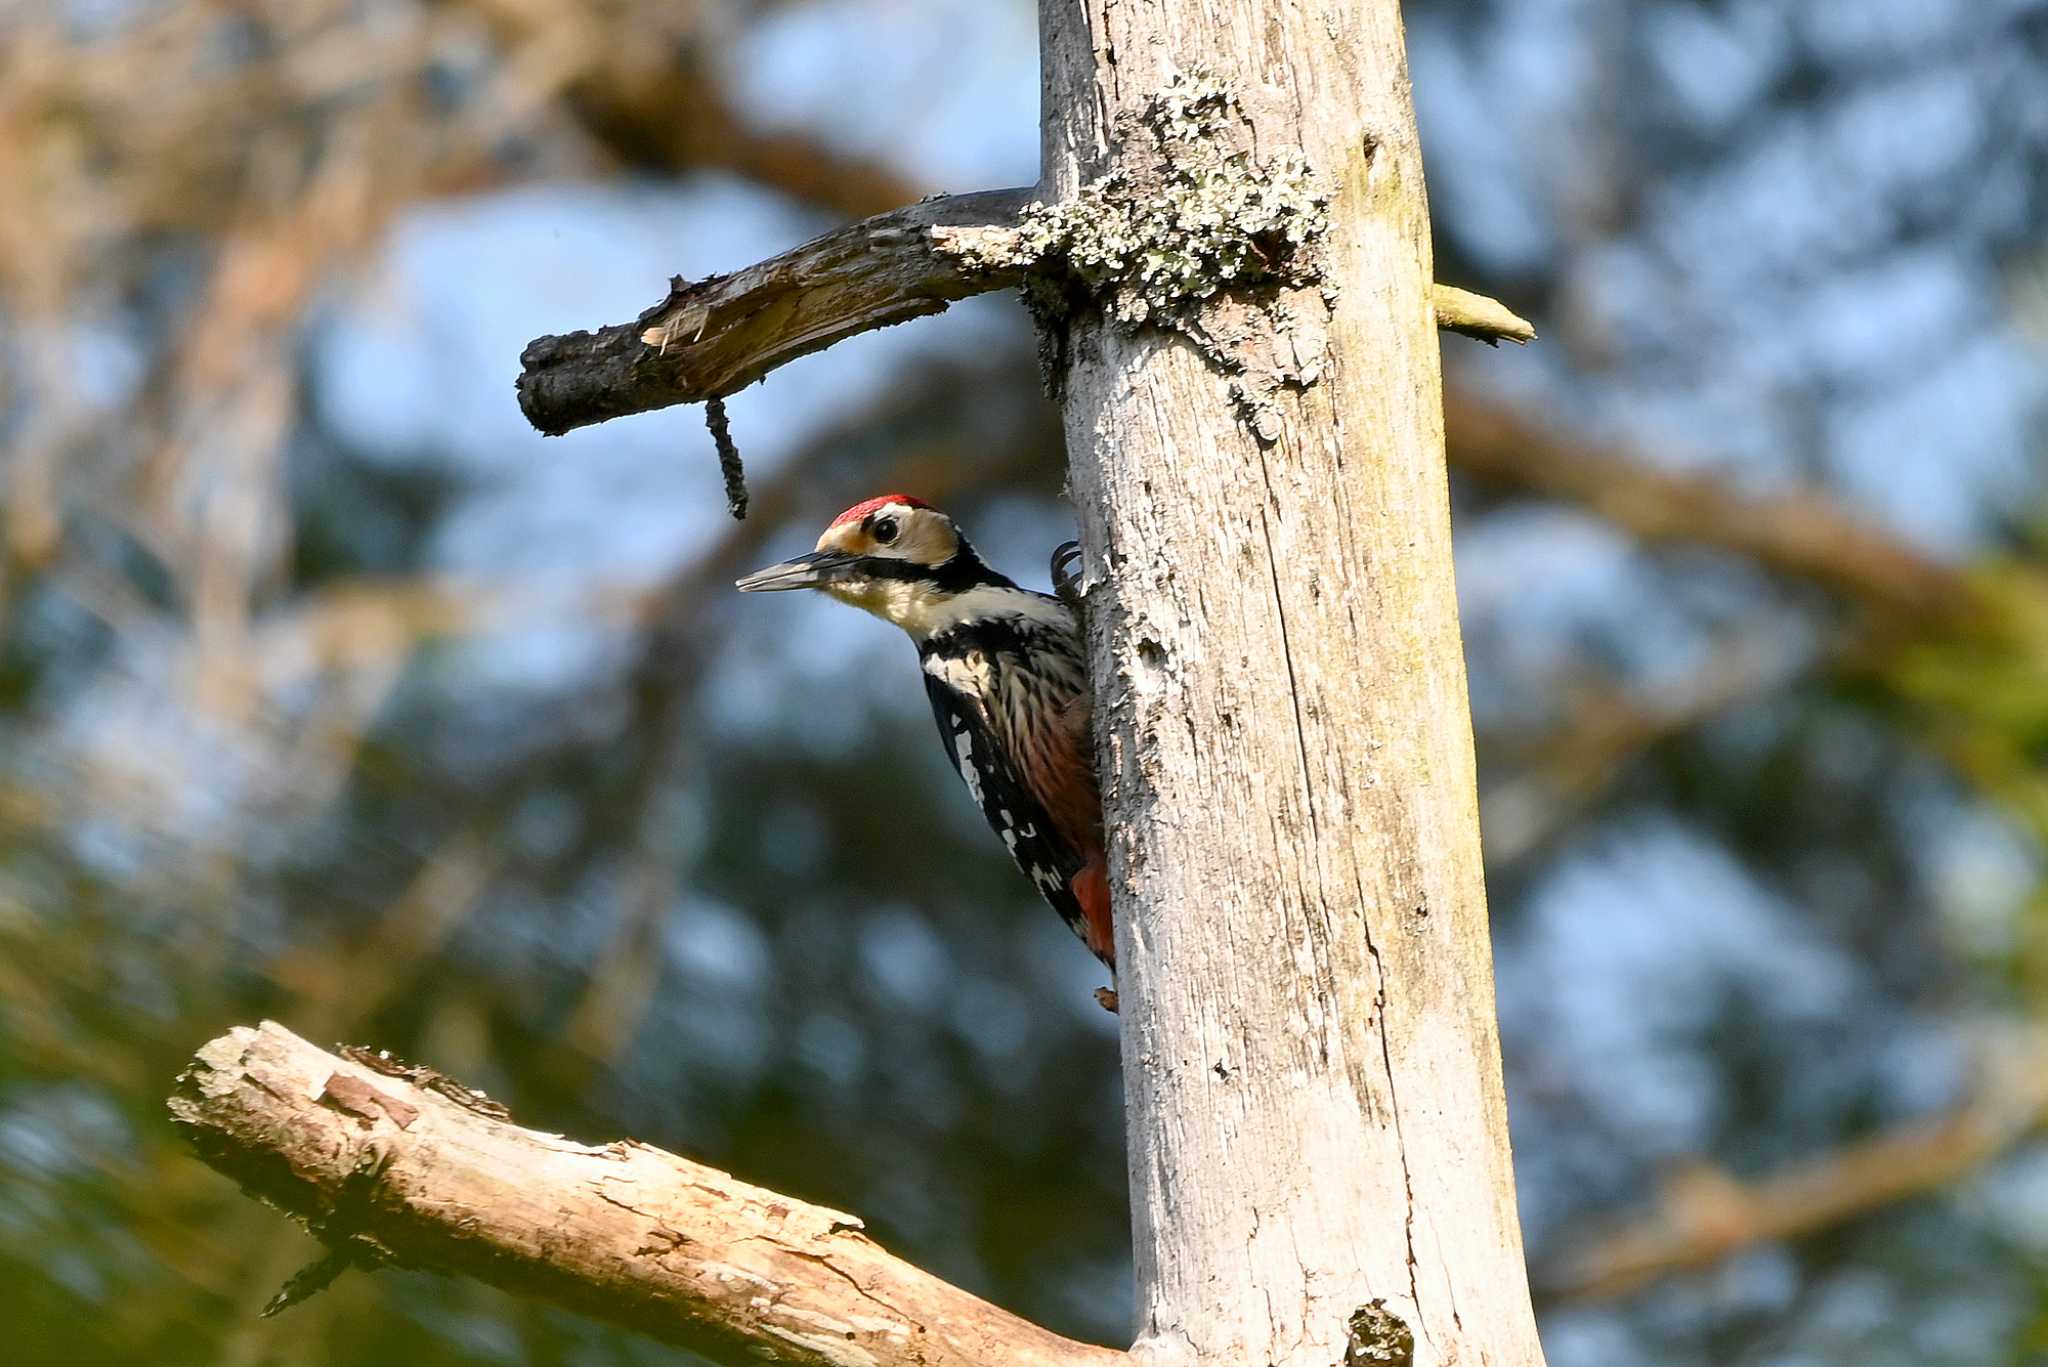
<point x="1091" y="890"/>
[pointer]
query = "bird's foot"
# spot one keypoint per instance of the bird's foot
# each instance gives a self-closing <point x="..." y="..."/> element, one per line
<point x="1066" y="573"/>
<point x="1105" y="997"/>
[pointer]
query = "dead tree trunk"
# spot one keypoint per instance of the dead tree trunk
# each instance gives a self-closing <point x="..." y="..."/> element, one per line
<point x="1229" y="259"/>
<point x="1318" y="1135"/>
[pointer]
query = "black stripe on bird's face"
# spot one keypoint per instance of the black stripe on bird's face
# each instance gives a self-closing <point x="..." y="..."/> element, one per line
<point x="965" y="570"/>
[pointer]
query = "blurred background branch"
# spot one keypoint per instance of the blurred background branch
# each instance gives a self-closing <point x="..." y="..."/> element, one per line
<point x="1705" y="1214"/>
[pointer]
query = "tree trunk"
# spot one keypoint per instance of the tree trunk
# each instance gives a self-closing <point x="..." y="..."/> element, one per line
<point x="1318" y="1136"/>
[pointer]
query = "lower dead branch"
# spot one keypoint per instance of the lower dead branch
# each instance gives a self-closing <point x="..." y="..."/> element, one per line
<point x="386" y="1169"/>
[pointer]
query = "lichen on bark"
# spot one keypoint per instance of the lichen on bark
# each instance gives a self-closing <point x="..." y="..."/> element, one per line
<point x="1195" y="229"/>
<point x="1153" y="241"/>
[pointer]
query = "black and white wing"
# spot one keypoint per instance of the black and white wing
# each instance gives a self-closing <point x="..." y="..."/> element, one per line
<point x="1013" y="813"/>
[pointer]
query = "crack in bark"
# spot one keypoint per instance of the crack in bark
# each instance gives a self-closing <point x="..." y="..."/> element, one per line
<point x="826" y="1262"/>
<point x="1326" y="975"/>
<point x="1394" y="1103"/>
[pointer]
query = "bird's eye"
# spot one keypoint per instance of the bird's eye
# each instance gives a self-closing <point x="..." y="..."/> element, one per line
<point x="884" y="530"/>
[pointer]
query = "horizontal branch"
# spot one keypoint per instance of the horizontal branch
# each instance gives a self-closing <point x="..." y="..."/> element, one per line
<point x="390" y="1163"/>
<point x="711" y="337"/>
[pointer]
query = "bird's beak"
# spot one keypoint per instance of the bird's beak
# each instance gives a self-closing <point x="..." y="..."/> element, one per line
<point x="804" y="572"/>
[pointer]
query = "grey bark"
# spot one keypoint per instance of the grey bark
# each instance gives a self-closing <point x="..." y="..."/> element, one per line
<point x="1318" y="1136"/>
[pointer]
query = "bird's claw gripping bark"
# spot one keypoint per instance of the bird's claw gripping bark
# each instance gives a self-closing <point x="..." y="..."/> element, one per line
<point x="1066" y="572"/>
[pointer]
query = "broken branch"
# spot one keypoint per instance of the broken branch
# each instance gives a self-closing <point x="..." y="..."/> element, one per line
<point x="627" y="1233"/>
<point x="713" y="336"/>
<point x="1475" y="315"/>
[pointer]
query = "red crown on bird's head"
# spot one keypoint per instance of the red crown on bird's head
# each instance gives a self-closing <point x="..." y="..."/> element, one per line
<point x="861" y="510"/>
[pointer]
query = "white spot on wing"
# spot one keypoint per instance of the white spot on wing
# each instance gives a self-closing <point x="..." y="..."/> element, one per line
<point x="963" y="759"/>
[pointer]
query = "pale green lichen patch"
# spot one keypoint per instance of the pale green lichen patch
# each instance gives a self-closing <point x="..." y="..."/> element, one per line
<point x="1194" y="230"/>
<point x="1154" y="240"/>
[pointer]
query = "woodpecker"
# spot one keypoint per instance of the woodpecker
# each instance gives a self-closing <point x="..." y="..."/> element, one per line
<point x="1008" y="682"/>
